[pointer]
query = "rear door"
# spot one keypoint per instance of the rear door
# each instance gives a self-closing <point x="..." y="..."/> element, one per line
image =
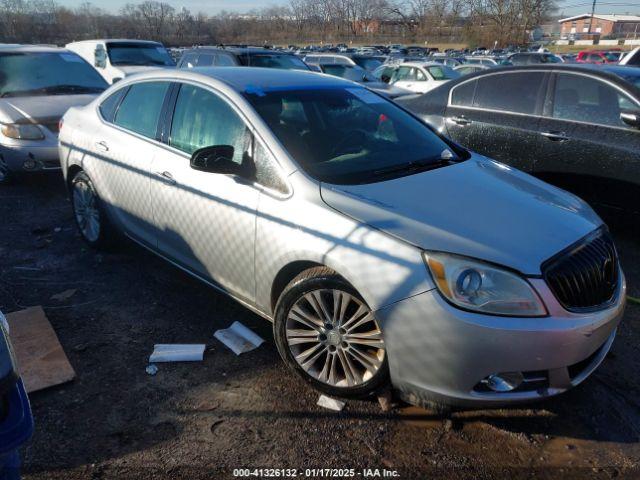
<point x="125" y="149"/>
<point x="584" y="145"/>
<point x="497" y="115"/>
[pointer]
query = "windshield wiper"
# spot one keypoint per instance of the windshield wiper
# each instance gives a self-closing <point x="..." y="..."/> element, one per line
<point x="414" y="166"/>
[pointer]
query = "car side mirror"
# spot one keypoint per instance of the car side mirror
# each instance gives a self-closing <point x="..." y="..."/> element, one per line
<point x="216" y="159"/>
<point x="631" y="118"/>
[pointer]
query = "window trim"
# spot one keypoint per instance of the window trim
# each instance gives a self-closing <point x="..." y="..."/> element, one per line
<point x="167" y="121"/>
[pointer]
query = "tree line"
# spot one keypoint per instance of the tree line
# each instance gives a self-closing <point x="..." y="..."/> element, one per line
<point x="299" y="22"/>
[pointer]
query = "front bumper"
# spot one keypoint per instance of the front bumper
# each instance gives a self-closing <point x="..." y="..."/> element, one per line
<point x="439" y="354"/>
<point x="30" y="156"/>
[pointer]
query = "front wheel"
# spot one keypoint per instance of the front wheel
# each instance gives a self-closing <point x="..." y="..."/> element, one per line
<point x="327" y="334"/>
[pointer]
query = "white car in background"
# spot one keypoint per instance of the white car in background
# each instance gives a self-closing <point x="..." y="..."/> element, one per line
<point x="115" y="59"/>
<point x="418" y="77"/>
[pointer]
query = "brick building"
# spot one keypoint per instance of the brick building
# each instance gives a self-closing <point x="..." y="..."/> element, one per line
<point x="579" y="26"/>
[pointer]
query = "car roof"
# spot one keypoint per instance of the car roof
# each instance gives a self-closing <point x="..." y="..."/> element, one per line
<point x="613" y="73"/>
<point x="256" y="79"/>
<point x="420" y="64"/>
<point x="32" y="49"/>
<point x="236" y="50"/>
<point x="115" y="40"/>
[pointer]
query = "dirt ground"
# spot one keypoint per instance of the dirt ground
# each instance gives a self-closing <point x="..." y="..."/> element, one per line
<point x="203" y="420"/>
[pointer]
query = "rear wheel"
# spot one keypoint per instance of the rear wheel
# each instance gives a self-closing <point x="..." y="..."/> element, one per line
<point x="90" y="217"/>
<point x="327" y="334"/>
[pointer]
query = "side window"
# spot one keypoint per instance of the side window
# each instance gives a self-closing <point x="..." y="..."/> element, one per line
<point x="420" y="76"/>
<point x="586" y="99"/>
<point x="205" y="60"/>
<point x="224" y="60"/>
<point x="189" y="60"/>
<point x="140" y="109"/>
<point x="510" y="92"/>
<point x="267" y="172"/>
<point x="108" y="107"/>
<point x="403" y="73"/>
<point x="462" y="95"/>
<point x="203" y="119"/>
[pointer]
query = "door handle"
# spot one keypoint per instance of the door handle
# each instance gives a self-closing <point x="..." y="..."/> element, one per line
<point x="460" y="120"/>
<point x="102" y="146"/>
<point x="555" y="136"/>
<point x="166" y="177"/>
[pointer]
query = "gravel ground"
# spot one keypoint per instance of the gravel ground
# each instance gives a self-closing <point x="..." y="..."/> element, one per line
<point x="202" y="420"/>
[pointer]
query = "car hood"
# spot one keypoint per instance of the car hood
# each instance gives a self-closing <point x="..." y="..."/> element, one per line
<point x="40" y="109"/>
<point x="477" y="208"/>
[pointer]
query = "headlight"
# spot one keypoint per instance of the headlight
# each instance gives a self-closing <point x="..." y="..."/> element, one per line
<point x="21" y="131"/>
<point x="481" y="287"/>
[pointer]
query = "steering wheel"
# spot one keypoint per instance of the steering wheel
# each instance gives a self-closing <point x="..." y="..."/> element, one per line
<point x="352" y="138"/>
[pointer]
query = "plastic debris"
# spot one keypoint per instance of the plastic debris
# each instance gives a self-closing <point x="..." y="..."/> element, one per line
<point x="239" y="338"/>
<point x="151" y="369"/>
<point x="177" y="353"/>
<point x="62" y="296"/>
<point x="385" y="401"/>
<point x="330" y="403"/>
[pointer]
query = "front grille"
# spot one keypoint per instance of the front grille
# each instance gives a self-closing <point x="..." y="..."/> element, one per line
<point x="585" y="276"/>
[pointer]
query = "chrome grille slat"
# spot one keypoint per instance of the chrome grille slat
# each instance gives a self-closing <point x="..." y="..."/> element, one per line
<point x="586" y="275"/>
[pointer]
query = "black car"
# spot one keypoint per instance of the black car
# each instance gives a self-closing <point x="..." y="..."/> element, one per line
<point x="576" y="126"/>
<point x="531" y="58"/>
<point x="240" y="56"/>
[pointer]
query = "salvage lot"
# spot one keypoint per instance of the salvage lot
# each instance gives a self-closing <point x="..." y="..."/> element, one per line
<point x="202" y="420"/>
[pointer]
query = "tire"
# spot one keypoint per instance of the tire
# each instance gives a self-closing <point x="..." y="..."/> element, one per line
<point x="91" y="219"/>
<point x="346" y="360"/>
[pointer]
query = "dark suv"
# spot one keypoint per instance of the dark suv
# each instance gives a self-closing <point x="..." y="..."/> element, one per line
<point x="576" y="126"/>
<point x="238" y="56"/>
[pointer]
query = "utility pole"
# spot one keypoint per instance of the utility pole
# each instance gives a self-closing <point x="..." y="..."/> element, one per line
<point x="593" y="11"/>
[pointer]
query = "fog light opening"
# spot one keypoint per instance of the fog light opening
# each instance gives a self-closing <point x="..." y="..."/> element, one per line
<point x="30" y="164"/>
<point x="504" y="382"/>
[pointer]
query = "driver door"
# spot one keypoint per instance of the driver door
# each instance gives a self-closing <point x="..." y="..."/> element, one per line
<point x="206" y="221"/>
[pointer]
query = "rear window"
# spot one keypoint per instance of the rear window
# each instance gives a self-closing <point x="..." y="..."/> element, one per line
<point x="140" y="109"/>
<point x="462" y="95"/>
<point x="510" y="92"/>
<point x="286" y="62"/>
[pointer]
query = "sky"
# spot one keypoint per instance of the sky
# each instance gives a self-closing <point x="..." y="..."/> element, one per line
<point x="567" y="7"/>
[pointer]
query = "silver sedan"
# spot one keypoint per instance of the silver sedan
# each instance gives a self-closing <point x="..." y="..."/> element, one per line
<point x="383" y="253"/>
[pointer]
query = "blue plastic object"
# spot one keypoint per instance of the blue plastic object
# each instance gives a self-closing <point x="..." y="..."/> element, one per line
<point x="16" y="421"/>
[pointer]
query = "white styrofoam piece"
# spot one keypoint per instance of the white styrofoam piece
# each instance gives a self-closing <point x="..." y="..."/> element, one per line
<point x="239" y="338"/>
<point x="330" y="403"/>
<point x="175" y="352"/>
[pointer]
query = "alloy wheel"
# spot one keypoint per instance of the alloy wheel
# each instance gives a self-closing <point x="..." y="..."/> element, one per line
<point x="85" y="205"/>
<point x="335" y="338"/>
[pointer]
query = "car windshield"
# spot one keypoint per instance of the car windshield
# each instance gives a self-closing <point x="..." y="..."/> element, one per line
<point x="144" y="54"/>
<point x="350" y="135"/>
<point x="284" y="62"/>
<point x="349" y="72"/>
<point x="368" y="63"/>
<point x="442" y="72"/>
<point x="26" y="74"/>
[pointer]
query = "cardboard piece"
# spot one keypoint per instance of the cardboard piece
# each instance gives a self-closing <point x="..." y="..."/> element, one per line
<point x="42" y="362"/>
<point x="176" y="352"/>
